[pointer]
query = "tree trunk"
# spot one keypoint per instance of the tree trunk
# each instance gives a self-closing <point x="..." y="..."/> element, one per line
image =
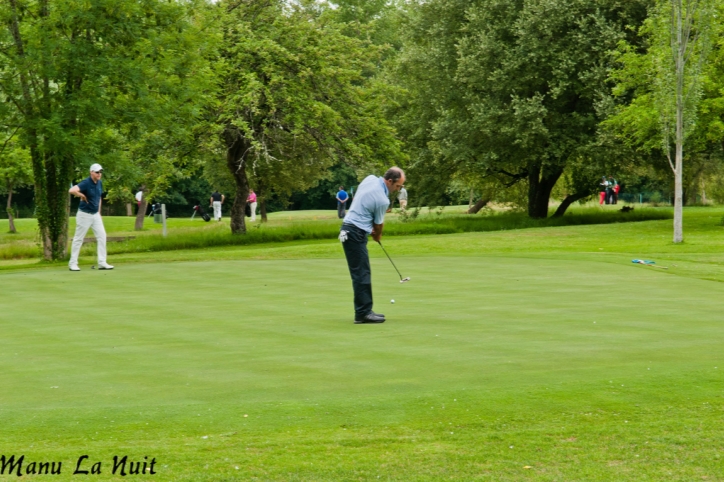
<point x="236" y="150"/>
<point x="129" y="209"/>
<point x="570" y="199"/>
<point x="11" y="224"/>
<point x="703" y="192"/>
<point x="540" y="185"/>
<point x="470" y="202"/>
<point x="262" y="210"/>
<point x="53" y="177"/>
<point x="53" y="172"/>
<point x="678" y="190"/>
<point x="261" y="198"/>
<point x="478" y="205"/>
<point x="678" y="169"/>
<point x="141" y="214"/>
<point x="53" y="169"/>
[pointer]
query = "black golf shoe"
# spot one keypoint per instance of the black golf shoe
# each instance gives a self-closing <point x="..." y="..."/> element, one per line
<point x="378" y="314"/>
<point x="370" y="317"/>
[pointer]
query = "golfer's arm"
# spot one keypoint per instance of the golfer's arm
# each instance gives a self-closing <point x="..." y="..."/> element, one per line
<point x="377" y="231"/>
<point x="75" y="191"/>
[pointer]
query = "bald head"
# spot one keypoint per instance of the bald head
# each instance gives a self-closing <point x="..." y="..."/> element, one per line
<point x="394" y="178"/>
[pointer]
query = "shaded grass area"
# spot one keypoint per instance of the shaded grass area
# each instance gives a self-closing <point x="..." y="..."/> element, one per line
<point x="489" y="368"/>
<point x="188" y="235"/>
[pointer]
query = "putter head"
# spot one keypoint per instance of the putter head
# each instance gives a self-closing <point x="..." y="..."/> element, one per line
<point x="405" y="280"/>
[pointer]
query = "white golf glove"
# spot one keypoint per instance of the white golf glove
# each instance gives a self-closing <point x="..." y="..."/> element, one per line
<point x="342" y="236"/>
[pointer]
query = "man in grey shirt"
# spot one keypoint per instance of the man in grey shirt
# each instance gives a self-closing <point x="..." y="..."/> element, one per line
<point x="402" y="198"/>
<point x="365" y="217"/>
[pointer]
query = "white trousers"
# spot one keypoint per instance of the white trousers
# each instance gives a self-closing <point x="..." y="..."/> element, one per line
<point x="253" y="211"/>
<point x="84" y="221"/>
<point x="217" y="210"/>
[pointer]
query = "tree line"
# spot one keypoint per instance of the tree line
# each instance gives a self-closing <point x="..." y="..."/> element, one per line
<point x="512" y="100"/>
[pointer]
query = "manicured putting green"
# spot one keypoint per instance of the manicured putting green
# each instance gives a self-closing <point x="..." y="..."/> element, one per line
<point x="262" y="358"/>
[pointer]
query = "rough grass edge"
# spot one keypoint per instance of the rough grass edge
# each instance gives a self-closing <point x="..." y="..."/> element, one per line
<point x="330" y="230"/>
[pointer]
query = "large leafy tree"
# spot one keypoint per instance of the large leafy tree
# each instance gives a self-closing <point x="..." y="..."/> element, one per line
<point x="72" y="69"/>
<point x="508" y="90"/>
<point x="168" y="150"/>
<point x="165" y="147"/>
<point x="293" y="99"/>
<point x="663" y="87"/>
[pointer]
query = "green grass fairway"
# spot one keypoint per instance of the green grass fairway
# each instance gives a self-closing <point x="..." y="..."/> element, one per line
<point x="489" y="368"/>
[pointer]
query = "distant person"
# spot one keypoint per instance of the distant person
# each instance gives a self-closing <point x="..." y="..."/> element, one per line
<point x="402" y="198"/>
<point x="342" y="199"/>
<point x="252" y="205"/>
<point x="604" y="187"/>
<point x="216" y="200"/>
<point x="366" y="216"/>
<point x="90" y="191"/>
<point x="614" y="190"/>
<point x="610" y="191"/>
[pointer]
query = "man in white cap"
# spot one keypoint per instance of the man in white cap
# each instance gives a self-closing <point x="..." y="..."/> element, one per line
<point x="89" y="190"/>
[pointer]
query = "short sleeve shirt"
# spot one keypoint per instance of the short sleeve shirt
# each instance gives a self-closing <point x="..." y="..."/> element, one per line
<point x="369" y="205"/>
<point x="216" y="196"/>
<point x="342" y="195"/>
<point x="93" y="191"/>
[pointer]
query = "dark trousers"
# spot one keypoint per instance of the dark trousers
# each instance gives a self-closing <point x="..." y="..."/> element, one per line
<point x="358" y="261"/>
<point x="341" y="209"/>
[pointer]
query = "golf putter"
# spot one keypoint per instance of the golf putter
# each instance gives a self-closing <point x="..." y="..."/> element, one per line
<point x="402" y="280"/>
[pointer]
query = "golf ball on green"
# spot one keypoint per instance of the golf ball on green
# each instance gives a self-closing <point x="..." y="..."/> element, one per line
<point x="392" y="301"/>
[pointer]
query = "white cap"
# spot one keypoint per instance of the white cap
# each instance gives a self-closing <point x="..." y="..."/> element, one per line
<point x="96" y="167"/>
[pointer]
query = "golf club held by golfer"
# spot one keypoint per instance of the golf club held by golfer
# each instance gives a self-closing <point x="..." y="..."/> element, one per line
<point x="402" y="280"/>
